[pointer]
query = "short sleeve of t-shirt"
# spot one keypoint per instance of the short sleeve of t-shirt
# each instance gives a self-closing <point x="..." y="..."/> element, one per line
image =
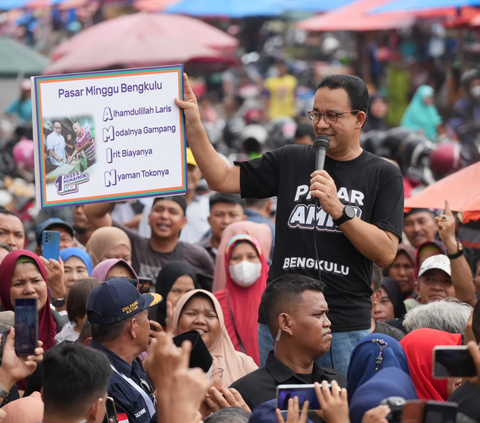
<point x="387" y="212"/>
<point x="259" y="177"/>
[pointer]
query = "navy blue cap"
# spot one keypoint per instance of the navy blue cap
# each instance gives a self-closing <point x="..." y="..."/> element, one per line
<point x="117" y="300"/>
<point x="54" y="221"/>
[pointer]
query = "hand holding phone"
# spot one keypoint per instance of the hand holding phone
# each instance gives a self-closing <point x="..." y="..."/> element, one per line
<point x="453" y="362"/>
<point x="110" y="411"/>
<point x="302" y="392"/>
<point x="51" y="245"/>
<point x="333" y="402"/>
<point x="293" y="409"/>
<point x="26" y="326"/>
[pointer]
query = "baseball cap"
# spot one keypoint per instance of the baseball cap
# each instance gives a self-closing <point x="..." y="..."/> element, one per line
<point x="440" y="261"/>
<point x="117" y="300"/>
<point x="179" y="199"/>
<point x="54" y="221"/>
<point x="190" y="159"/>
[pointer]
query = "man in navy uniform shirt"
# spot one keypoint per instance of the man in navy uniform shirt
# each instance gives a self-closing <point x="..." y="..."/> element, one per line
<point x="118" y="315"/>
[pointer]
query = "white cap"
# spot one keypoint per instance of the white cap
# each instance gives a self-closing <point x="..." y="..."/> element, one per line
<point x="440" y="261"/>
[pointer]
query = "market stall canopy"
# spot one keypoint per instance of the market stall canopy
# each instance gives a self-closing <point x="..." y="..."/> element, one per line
<point x="142" y="39"/>
<point x="132" y="29"/>
<point x="229" y="8"/>
<point x="461" y="189"/>
<point x="19" y="59"/>
<point x="475" y="21"/>
<point x="354" y="17"/>
<point x="411" y="5"/>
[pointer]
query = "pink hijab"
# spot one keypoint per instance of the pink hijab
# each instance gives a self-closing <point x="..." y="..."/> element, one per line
<point x="235" y="364"/>
<point x="260" y="231"/>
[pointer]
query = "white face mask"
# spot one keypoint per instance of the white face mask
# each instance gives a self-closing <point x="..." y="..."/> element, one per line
<point x="245" y="273"/>
<point x="475" y="91"/>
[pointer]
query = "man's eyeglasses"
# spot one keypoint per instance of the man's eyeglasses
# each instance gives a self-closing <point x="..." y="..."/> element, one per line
<point x="331" y="118"/>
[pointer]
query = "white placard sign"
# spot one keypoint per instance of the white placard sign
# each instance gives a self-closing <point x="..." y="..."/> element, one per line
<point x="108" y="136"/>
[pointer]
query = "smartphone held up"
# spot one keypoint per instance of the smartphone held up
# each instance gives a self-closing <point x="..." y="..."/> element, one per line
<point x="26" y="326"/>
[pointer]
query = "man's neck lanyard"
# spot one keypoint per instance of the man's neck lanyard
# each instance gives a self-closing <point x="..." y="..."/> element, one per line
<point x="146" y="397"/>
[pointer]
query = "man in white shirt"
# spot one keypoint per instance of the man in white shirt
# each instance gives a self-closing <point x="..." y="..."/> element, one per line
<point x="55" y="147"/>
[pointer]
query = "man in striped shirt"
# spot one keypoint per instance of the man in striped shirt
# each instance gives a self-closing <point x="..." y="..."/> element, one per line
<point x="84" y="142"/>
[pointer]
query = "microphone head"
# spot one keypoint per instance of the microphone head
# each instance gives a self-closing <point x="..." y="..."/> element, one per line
<point x="322" y="142"/>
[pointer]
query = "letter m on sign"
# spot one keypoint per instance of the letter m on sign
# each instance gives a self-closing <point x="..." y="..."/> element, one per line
<point x="108" y="134"/>
<point x="110" y="177"/>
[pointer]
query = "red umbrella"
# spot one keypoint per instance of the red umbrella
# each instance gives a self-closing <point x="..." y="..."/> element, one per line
<point x="354" y="17"/>
<point x="461" y="189"/>
<point x="132" y="51"/>
<point x="177" y="29"/>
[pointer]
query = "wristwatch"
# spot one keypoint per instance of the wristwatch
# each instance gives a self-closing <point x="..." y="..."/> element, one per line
<point x="3" y="393"/>
<point x="59" y="302"/>
<point x="347" y="214"/>
<point x="457" y="254"/>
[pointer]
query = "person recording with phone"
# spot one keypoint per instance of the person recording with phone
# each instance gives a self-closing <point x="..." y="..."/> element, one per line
<point x="297" y="318"/>
<point x="23" y="275"/>
<point x="360" y="195"/>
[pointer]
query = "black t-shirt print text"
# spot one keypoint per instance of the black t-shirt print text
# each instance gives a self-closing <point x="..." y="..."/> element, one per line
<point x="372" y="185"/>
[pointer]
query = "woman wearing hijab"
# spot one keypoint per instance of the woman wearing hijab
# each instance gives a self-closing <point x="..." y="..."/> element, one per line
<point x="418" y="346"/>
<point x="421" y="114"/>
<point x="173" y="282"/>
<point x="23" y="275"/>
<point x="390" y="382"/>
<point x="377" y="110"/>
<point x="115" y="268"/>
<point x="388" y="301"/>
<point x="108" y="243"/>
<point x="199" y="310"/>
<point x="373" y="353"/>
<point x="260" y="231"/>
<point x="246" y="274"/>
<point x="402" y="269"/>
<point x="77" y="265"/>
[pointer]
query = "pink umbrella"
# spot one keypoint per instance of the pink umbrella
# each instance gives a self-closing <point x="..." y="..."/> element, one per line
<point x="153" y="5"/>
<point x="132" y="51"/>
<point x="175" y="28"/>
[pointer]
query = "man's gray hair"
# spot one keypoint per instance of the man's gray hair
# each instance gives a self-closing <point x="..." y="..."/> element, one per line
<point x="449" y="315"/>
<point x="229" y="415"/>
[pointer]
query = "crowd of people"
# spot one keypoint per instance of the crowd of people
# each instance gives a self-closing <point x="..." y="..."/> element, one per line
<point x="268" y="272"/>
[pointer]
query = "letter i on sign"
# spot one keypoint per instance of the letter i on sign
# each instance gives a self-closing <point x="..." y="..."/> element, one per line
<point x="109" y="155"/>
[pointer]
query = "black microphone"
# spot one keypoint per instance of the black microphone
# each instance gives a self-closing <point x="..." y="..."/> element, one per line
<point x="322" y="144"/>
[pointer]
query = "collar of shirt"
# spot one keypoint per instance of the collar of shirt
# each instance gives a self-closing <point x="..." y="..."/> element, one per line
<point x="282" y="373"/>
<point x="119" y="363"/>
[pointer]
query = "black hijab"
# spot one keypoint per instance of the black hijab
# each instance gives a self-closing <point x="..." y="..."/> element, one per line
<point x="166" y="279"/>
<point x="396" y="296"/>
<point x="373" y="122"/>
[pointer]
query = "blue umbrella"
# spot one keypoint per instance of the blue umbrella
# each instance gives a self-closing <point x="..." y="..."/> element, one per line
<point x="406" y="5"/>
<point x="229" y="8"/>
<point x="12" y="4"/>
<point x="316" y="5"/>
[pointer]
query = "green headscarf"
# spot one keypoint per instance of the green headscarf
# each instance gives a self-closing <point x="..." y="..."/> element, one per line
<point x="420" y="117"/>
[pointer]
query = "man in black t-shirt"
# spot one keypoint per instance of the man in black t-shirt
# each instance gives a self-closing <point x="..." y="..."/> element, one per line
<point x="359" y="220"/>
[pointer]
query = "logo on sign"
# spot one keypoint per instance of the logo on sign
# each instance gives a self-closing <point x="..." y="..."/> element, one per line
<point x="68" y="184"/>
